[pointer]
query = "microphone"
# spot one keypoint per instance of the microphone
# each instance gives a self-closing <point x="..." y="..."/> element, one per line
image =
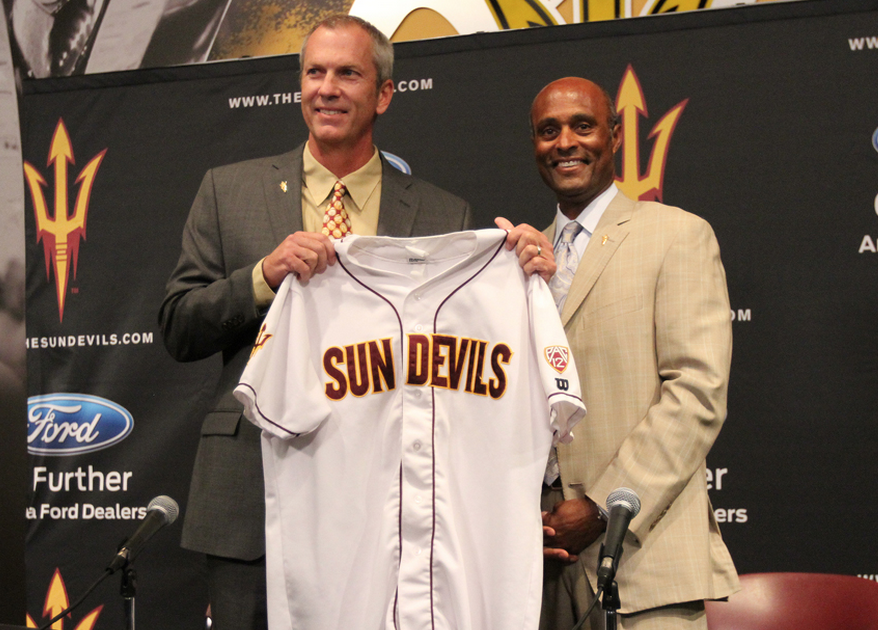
<point x="623" y="505"/>
<point x="161" y="511"/>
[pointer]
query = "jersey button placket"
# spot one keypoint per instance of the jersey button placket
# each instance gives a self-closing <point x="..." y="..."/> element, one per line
<point x="417" y="482"/>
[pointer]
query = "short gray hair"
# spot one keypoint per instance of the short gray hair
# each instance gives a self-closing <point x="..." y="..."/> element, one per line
<point x="382" y="49"/>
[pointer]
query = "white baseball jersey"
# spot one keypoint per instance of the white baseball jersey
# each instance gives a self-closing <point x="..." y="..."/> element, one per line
<point x="409" y="397"/>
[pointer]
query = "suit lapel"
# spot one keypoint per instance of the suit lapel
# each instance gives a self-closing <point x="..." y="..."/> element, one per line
<point x="611" y="230"/>
<point x="399" y="205"/>
<point x="282" y="186"/>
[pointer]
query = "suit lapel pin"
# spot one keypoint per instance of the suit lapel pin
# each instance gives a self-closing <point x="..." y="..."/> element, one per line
<point x="604" y="239"/>
<point x="283" y="186"/>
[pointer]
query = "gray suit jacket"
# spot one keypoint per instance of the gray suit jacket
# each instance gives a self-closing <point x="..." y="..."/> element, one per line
<point x="648" y="320"/>
<point x="240" y="214"/>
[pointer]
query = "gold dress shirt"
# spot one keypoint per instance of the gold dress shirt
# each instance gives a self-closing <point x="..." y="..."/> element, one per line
<point x="362" y="202"/>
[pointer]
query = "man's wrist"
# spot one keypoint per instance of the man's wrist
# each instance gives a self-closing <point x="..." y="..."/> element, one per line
<point x="602" y="513"/>
<point x="262" y="293"/>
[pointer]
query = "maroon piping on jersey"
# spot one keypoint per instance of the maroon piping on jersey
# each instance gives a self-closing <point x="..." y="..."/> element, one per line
<point x="433" y="436"/>
<point x="399" y="510"/>
<point x="262" y="415"/>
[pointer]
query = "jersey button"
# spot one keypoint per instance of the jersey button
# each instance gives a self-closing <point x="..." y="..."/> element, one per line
<point x="417" y="445"/>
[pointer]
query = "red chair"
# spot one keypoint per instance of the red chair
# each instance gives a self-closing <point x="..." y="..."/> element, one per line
<point x="798" y="601"/>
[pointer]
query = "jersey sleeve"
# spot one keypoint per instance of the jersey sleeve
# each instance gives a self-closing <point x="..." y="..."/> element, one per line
<point x="556" y="367"/>
<point x="280" y="388"/>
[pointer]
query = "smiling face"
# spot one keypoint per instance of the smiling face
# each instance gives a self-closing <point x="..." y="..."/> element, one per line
<point x="340" y="95"/>
<point x="575" y="141"/>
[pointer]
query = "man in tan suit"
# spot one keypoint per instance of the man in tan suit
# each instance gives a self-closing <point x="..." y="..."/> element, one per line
<point x="642" y="294"/>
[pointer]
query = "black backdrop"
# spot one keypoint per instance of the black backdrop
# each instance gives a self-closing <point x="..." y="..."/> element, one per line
<point x="774" y="147"/>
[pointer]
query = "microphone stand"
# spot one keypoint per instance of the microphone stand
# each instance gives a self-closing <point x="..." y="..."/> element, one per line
<point x="161" y="511"/>
<point x="128" y="591"/>
<point x="610" y="603"/>
<point x="610" y="597"/>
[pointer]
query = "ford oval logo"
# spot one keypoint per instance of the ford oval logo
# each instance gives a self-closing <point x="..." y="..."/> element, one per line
<point x="71" y="424"/>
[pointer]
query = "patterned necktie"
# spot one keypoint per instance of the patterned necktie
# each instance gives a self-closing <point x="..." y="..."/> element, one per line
<point x="567" y="259"/>
<point x="336" y="222"/>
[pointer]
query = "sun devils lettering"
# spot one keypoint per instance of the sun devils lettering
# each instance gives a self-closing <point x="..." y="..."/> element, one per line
<point x="465" y="358"/>
<point x="61" y="232"/>
<point x="366" y="367"/>
<point x="444" y="361"/>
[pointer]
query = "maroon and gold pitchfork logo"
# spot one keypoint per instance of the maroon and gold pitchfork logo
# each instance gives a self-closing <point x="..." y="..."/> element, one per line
<point x="62" y="231"/>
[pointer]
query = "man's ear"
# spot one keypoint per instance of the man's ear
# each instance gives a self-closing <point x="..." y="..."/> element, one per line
<point x="385" y="93"/>
<point x="617" y="137"/>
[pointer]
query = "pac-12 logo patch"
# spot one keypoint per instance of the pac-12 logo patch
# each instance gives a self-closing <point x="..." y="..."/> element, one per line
<point x="558" y="357"/>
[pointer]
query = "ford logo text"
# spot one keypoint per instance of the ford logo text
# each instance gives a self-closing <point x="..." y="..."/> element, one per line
<point x="71" y="424"/>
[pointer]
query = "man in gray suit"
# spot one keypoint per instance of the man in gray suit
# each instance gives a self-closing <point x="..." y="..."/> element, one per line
<point x="252" y="224"/>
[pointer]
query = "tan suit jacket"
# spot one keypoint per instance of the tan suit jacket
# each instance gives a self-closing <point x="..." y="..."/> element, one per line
<point x="648" y="320"/>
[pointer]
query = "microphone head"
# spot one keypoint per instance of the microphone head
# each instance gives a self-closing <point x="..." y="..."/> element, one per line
<point x="169" y="508"/>
<point x="626" y="497"/>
